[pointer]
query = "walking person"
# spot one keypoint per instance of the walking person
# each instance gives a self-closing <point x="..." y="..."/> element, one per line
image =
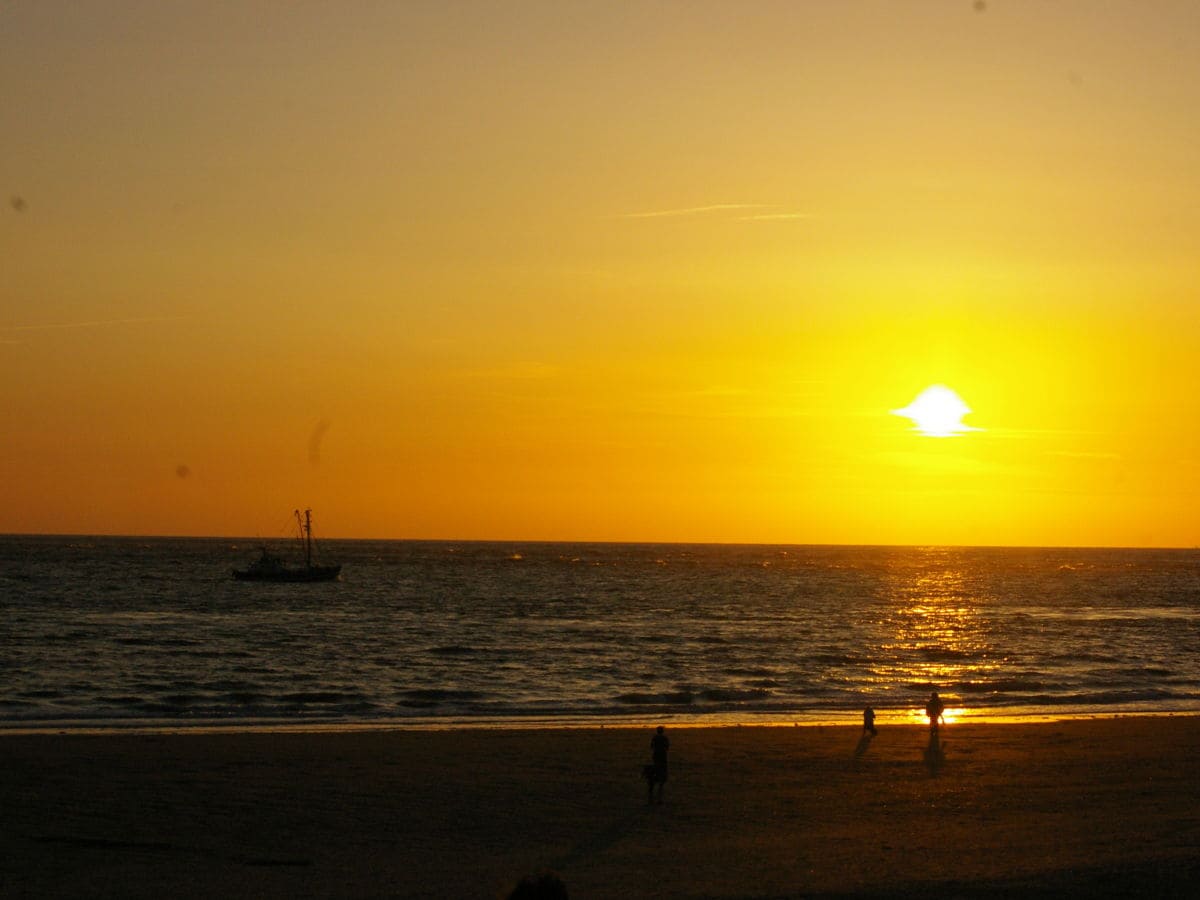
<point x="656" y="772"/>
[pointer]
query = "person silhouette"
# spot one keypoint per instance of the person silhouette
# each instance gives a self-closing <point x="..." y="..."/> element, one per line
<point x="869" y="721"/>
<point x="656" y="772"/>
<point x="935" y="709"/>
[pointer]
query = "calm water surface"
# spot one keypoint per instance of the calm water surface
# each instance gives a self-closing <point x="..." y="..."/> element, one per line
<point x="142" y="631"/>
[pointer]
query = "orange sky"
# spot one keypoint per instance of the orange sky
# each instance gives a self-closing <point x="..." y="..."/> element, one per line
<point x="601" y="271"/>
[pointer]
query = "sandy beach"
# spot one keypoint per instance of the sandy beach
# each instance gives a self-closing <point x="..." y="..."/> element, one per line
<point x="1107" y="807"/>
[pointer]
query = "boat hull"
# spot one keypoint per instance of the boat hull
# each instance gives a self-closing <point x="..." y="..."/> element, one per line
<point x="311" y="573"/>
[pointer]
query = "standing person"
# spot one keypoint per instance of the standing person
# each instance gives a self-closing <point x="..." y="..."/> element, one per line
<point x="869" y="721"/>
<point x="656" y="772"/>
<point x="935" y="710"/>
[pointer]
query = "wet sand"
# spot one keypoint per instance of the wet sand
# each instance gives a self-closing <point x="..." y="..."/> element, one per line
<point x="1086" y="808"/>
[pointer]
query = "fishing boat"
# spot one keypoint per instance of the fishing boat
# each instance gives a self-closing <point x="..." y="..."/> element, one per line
<point x="269" y="567"/>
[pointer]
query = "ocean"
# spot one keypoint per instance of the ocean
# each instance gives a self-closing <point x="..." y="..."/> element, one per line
<point x="154" y="632"/>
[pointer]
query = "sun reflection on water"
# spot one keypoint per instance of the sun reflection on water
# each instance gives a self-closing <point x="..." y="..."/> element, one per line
<point x="933" y="632"/>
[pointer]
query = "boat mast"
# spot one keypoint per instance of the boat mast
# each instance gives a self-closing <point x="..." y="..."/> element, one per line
<point x="306" y="533"/>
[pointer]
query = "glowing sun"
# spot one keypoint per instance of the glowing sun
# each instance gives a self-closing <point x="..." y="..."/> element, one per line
<point x="937" y="412"/>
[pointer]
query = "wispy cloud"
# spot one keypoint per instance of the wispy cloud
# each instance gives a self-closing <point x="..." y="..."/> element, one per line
<point x="91" y="323"/>
<point x="693" y="210"/>
<point x="716" y="208"/>
<point x="729" y="401"/>
<point x="775" y="217"/>
<point x="517" y="371"/>
<point x="1086" y="454"/>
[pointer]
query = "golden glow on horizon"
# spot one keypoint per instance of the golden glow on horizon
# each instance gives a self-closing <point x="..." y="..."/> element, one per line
<point x="937" y="412"/>
<point x="917" y="715"/>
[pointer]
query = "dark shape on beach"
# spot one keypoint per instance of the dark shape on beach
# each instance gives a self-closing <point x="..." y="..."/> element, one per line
<point x="269" y="567"/>
<point x="935" y="710"/>
<point x="656" y="772"/>
<point x="182" y="471"/>
<point x="17" y="202"/>
<point x="546" y="886"/>
<point x="868" y="732"/>
<point x="935" y="753"/>
<point x="980" y="6"/>
<point x="864" y="744"/>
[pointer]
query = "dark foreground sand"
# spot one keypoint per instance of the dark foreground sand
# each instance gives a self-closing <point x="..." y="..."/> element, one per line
<point x="1084" y="808"/>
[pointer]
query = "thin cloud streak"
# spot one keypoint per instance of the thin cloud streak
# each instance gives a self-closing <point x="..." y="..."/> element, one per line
<point x="1087" y="454"/>
<point x="775" y="217"/>
<point x="93" y="323"/>
<point x="518" y="371"/>
<point x="693" y="210"/>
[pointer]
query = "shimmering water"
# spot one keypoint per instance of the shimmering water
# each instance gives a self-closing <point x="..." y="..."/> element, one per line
<point x="150" y="630"/>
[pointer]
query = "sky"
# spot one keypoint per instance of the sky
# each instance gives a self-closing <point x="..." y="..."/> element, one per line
<point x="601" y="271"/>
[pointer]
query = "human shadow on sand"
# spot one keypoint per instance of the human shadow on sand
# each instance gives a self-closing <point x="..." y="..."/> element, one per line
<point x="864" y="744"/>
<point x="935" y="753"/>
<point x="598" y="842"/>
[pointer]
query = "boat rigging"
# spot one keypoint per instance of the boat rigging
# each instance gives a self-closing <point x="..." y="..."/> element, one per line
<point x="269" y="567"/>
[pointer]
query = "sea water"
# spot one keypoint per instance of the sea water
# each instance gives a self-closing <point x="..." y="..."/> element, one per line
<point x="151" y="631"/>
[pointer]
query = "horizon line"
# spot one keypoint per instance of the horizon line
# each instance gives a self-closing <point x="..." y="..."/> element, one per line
<point x="605" y="542"/>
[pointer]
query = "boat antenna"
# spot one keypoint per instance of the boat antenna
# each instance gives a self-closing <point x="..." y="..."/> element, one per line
<point x="306" y="532"/>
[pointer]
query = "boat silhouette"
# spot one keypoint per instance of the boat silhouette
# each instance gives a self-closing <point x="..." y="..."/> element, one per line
<point x="269" y="567"/>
